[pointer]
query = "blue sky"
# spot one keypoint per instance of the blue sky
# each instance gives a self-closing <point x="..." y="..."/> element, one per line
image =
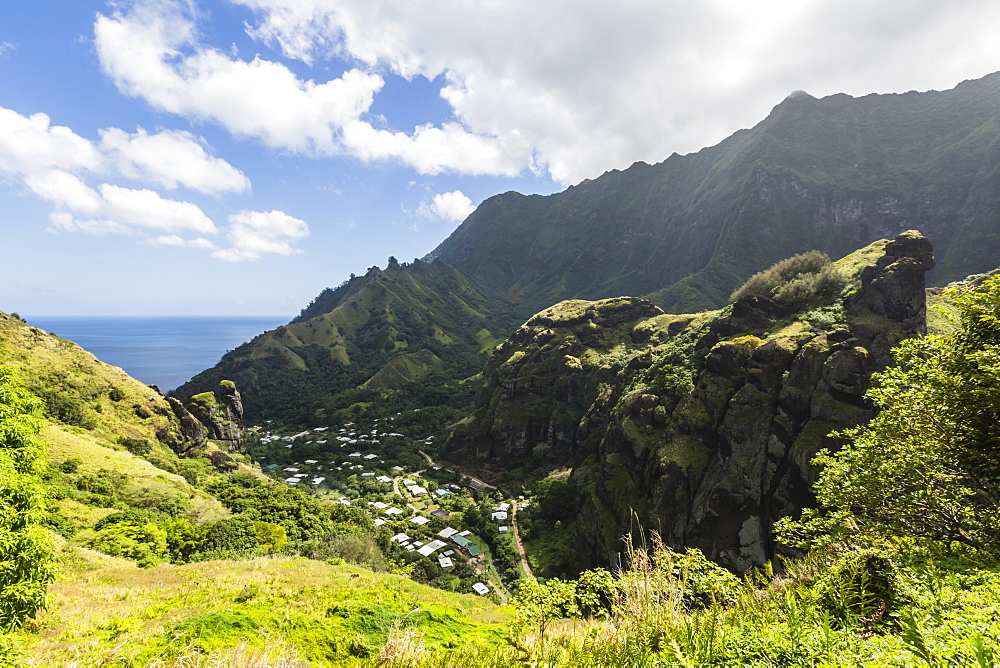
<point x="196" y="157"/>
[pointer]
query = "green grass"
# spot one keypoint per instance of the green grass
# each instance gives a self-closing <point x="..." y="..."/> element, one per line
<point x="144" y="482"/>
<point x="104" y="608"/>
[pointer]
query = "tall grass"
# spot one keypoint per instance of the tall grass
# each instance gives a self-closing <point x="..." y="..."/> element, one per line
<point x="949" y="615"/>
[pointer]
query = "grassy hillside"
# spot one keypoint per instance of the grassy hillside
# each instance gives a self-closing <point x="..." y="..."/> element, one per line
<point x="269" y="611"/>
<point x="81" y="391"/>
<point x="166" y="558"/>
<point x="80" y="498"/>
<point x="420" y="322"/>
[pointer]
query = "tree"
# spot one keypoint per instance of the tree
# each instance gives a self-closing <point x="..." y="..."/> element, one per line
<point x="27" y="563"/>
<point x="928" y="465"/>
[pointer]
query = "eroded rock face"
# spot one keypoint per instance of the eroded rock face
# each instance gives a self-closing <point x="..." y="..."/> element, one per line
<point x="700" y="427"/>
<point x="221" y="412"/>
<point x="192" y="432"/>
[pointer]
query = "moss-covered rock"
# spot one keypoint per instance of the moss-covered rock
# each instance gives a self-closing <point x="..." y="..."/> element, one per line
<point x="701" y="427"/>
<point x="221" y="412"/>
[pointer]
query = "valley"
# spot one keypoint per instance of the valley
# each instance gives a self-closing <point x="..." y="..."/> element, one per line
<point x="735" y="408"/>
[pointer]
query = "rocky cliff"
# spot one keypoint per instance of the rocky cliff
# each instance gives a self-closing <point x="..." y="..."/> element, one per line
<point x="702" y="426"/>
<point x="221" y="412"/>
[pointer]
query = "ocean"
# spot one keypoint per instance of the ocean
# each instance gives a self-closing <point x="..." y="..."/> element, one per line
<point x="165" y="351"/>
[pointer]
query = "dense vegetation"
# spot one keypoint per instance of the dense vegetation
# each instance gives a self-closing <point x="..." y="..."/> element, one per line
<point x="899" y="567"/>
<point x="26" y="560"/>
<point x="801" y="280"/>
<point x="405" y="337"/>
<point x="928" y="465"/>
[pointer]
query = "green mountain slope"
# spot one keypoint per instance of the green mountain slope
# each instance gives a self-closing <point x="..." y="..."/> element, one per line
<point x="169" y="546"/>
<point x="84" y="394"/>
<point x="831" y="174"/>
<point x="383" y="331"/>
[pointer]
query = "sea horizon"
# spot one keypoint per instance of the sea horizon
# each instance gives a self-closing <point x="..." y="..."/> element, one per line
<point x="161" y="350"/>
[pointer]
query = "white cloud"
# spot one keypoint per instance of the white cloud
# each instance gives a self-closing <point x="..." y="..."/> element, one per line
<point x="175" y="241"/>
<point x="587" y="86"/>
<point x="454" y="206"/>
<point x="6" y="48"/>
<point x="63" y="221"/>
<point x="64" y="190"/>
<point x="153" y="52"/>
<point x="145" y="208"/>
<point x="253" y="233"/>
<point x="31" y="144"/>
<point x="170" y="159"/>
<point x="53" y="163"/>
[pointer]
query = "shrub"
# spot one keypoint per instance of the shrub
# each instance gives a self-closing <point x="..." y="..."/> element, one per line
<point x="137" y="446"/>
<point x="704" y="581"/>
<point x="135" y="517"/>
<point x="59" y="524"/>
<point x="861" y="589"/>
<point x="70" y="465"/>
<point x="184" y="540"/>
<point x="146" y="544"/>
<point x="116" y="394"/>
<point x="237" y="535"/>
<point x="359" y="549"/>
<point x="65" y="407"/>
<point x="796" y="282"/>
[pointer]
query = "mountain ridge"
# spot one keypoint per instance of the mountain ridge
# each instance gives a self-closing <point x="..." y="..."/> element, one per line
<point x="830" y="174"/>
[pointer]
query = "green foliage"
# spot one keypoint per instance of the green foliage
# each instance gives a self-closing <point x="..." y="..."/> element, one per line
<point x="231" y="536"/>
<point x="800" y="280"/>
<point x="70" y="465"/>
<point x="927" y="465"/>
<point x="26" y="556"/>
<point x="184" y="540"/>
<point x="540" y="603"/>
<point x="704" y="582"/>
<point x="360" y="549"/>
<point x="139" y="447"/>
<point x="67" y="407"/>
<point x="271" y="537"/>
<point x="146" y="544"/>
<point x="861" y="590"/>
<point x="131" y="516"/>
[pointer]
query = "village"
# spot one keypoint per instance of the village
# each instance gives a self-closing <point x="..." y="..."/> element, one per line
<point x="439" y="526"/>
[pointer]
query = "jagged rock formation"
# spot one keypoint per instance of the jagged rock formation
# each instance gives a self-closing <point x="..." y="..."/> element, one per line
<point x="193" y="432"/>
<point x="703" y="426"/>
<point x="221" y="412"/>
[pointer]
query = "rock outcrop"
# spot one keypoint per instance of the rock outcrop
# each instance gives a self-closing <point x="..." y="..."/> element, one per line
<point x="701" y="427"/>
<point x="221" y="412"/>
<point x="192" y="432"/>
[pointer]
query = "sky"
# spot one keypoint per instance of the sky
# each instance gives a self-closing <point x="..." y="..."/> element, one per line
<point x="235" y="157"/>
